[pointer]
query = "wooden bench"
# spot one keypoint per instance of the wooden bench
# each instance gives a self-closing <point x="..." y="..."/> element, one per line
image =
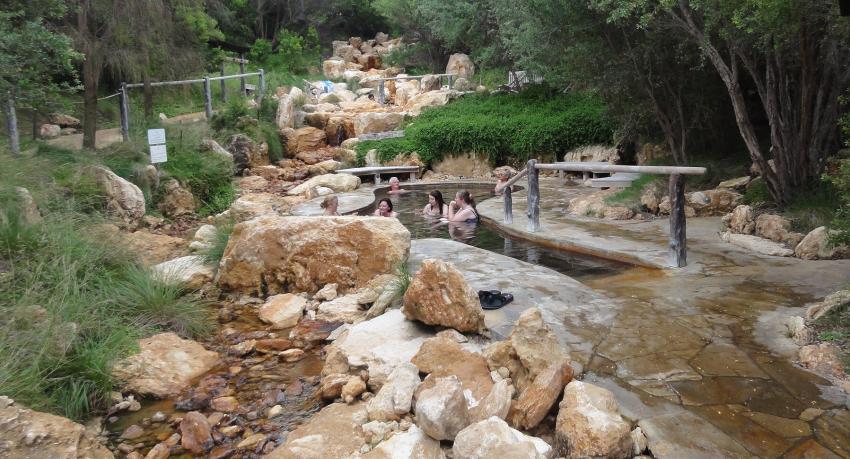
<point x="618" y="180"/>
<point x="378" y="170"/>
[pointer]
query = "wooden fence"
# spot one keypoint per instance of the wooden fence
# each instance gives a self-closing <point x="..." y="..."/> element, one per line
<point x="124" y="104"/>
<point x="676" y="187"/>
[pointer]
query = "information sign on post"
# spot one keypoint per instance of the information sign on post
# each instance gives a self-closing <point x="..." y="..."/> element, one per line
<point x="156" y="141"/>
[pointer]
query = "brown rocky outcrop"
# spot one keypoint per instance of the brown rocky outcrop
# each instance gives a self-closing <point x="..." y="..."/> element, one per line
<point x="277" y="254"/>
<point x="195" y="433"/>
<point x="164" y="366"/>
<point x="333" y="432"/>
<point x="440" y="295"/>
<point x="124" y="200"/>
<point x="371" y="122"/>
<point x="589" y="424"/>
<point x="154" y="248"/>
<point x="303" y="139"/>
<point x="741" y="220"/>
<point x="27" y="434"/>
<point x="539" y="397"/>
<point x="441" y="357"/>
<point x="177" y="201"/>
<point x="816" y="246"/>
<point x="460" y="65"/>
<point x="777" y="229"/>
<point x="246" y="152"/>
<point x="713" y="202"/>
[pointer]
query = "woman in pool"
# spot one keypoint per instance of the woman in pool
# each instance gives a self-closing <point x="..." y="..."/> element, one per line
<point x="436" y="207"/>
<point x="330" y="204"/>
<point x="385" y="209"/>
<point x="395" y="186"/>
<point x="462" y="209"/>
<point x="502" y="178"/>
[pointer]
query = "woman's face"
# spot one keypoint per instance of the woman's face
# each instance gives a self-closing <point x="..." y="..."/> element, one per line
<point x="459" y="199"/>
<point x="432" y="200"/>
<point x="333" y="205"/>
<point x="394" y="185"/>
<point x="384" y="207"/>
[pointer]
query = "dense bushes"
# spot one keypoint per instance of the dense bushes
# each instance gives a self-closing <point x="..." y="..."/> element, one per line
<point x="840" y="180"/>
<point x="508" y="128"/>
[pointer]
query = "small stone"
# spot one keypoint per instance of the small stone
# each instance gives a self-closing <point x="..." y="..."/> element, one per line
<point x="159" y="416"/>
<point x="173" y="440"/>
<point x="225" y="404"/>
<point x="126" y="448"/>
<point x="112" y="419"/>
<point x="274" y="411"/>
<point x="292" y="355"/>
<point x="809" y="414"/>
<point x="160" y="451"/>
<point x="251" y="441"/>
<point x="352" y="389"/>
<point x="639" y="439"/>
<point x="215" y="418"/>
<point x="327" y="293"/>
<point x="134" y="406"/>
<point x="195" y="433"/>
<point x="116" y="397"/>
<point x="135" y="455"/>
<point x="453" y="335"/>
<point x="230" y="431"/>
<point x="133" y="432"/>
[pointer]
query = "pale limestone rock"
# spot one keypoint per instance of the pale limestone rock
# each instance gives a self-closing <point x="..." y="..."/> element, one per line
<point x="214" y="147"/>
<point x="460" y="65"/>
<point x="303" y="139"/>
<point x="165" y="365"/>
<point x="177" y="201"/>
<point x="441" y="411"/>
<point x="336" y="362"/>
<point x="536" y="400"/>
<point x="49" y="131"/>
<point x="816" y="246"/>
<point x="206" y="234"/>
<point x="757" y="244"/>
<point x="440" y="357"/>
<point x="275" y="254"/>
<point x="589" y="424"/>
<point x="64" y="121"/>
<point x="684" y="434"/>
<point x="333" y="68"/>
<point x="741" y="220"/>
<point x="817" y="310"/>
<point x="190" y="271"/>
<point x="381" y="344"/>
<point x="823" y="358"/>
<point x="495" y="404"/>
<point x="285" y="112"/>
<point x="154" y="248"/>
<point x="332" y="385"/>
<point x="773" y="227"/>
<point x="336" y="431"/>
<point x="416" y="103"/>
<point x="27" y="434"/>
<point x="713" y="202"/>
<point x="326" y="293"/>
<point x="29" y="211"/>
<point x="412" y="444"/>
<point x="737" y="184"/>
<point x="124" y="200"/>
<point x="440" y="295"/>
<point x="352" y="389"/>
<point x="341" y="309"/>
<point x="340" y="183"/>
<point x="282" y="311"/>
<point x="396" y="395"/>
<point x="492" y="438"/>
<point x="429" y="83"/>
<point x="195" y="433"/>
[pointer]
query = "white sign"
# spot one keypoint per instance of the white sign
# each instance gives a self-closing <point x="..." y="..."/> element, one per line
<point x="158" y="154"/>
<point x="156" y="136"/>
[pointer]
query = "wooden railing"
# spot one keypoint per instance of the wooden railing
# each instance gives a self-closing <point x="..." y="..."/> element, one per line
<point x="676" y="189"/>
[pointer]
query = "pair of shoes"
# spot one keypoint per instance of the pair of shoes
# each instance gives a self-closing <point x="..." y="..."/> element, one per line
<point x="493" y="299"/>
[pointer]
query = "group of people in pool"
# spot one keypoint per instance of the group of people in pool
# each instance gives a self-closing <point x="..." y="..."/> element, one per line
<point x="461" y="209"/>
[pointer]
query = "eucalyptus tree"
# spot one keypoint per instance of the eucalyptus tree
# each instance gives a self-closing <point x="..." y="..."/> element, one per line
<point x="36" y="62"/>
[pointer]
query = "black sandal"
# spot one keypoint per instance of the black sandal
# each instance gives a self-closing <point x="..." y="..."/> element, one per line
<point x="493" y="299"/>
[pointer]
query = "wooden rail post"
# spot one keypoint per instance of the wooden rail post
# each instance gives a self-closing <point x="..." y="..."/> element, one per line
<point x="678" y="245"/>
<point x="533" y="197"/>
<point x="242" y="70"/>
<point x="123" y="109"/>
<point x="208" y="98"/>
<point x="509" y="205"/>
<point x="223" y="85"/>
<point x="381" y="92"/>
<point x="12" y="124"/>
<point x="451" y="77"/>
<point x="262" y="89"/>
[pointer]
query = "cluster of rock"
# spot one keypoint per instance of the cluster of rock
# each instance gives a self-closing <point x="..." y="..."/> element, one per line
<point x="59" y="124"/>
<point x="771" y="234"/>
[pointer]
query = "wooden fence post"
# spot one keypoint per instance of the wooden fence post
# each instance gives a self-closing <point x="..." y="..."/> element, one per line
<point x="223" y="84"/>
<point x="533" y="197"/>
<point x="381" y="92"/>
<point x="262" y="89"/>
<point x="450" y="77"/>
<point x="678" y="244"/>
<point x="123" y="108"/>
<point x="12" y="125"/>
<point x="242" y="70"/>
<point x="509" y="205"/>
<point x="208" y="98"/>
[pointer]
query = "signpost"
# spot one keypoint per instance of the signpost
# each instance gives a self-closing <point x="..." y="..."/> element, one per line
<point x="156" y="141"/>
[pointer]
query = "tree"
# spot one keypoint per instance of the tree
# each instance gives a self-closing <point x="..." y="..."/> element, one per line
<point x="37" y="63"/>
<point x="795" y="53"/>
<point x="135" y="39"/>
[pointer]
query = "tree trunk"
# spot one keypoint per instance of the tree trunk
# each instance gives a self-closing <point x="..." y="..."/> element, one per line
<point x="12" y="125"/>
<point x="148" y="95"/>
<point x="91" y="75"/>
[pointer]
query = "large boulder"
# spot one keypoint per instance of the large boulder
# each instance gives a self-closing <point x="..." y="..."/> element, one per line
<point x="441" y="410"/>
<point x="413" y="444"/>
<point x="64" y="121"/>
<point x="191" y="272"/>
<point x="493" y="438"/>
<point x="405" y="90"/>
<point x="589" y="424"/>
<point x="371" y="122"/>
<point x="537" y="399"/>
<point x="333" y="432"/>
<point x="49" y="131"/>
<point x="154" y="248"/>
<point x="395" y="397"/>
<point x="817" y="310"/>
<point x="215" y="148"/>
<point x="333" y="68"/>
<point x="713" y="202"/>
<point x="816" y="246"/>
<point x="418" y="102"/>
<point x="27" y="434"/>
<point x="177" y="201"/>
<point x="124" y="200"/>
<point x="285" y="112"/>
<point x="460" y="65"/>
<point x="164" y="366"/>
<point x="777" y="229"/>
<point x="246" y="152"/>
<point x="741" y="220"/>
<point x="304" y="139"/>
<point x="340" y="183"/>
<point x="440" y="295"/>
<point x="278" y="254"/>
<point x="341" y="309"/>
<point x="381" y="344"/>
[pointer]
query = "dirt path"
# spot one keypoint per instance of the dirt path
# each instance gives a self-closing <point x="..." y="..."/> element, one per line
<point x="103" y="139"/>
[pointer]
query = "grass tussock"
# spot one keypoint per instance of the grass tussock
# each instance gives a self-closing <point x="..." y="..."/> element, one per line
<point x="215" y="252"/>
<point x="834" y="327"/>
<point x="630" y="196"/>
<point x="72" y="300"/>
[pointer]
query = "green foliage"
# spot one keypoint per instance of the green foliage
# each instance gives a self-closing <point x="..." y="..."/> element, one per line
<point x="537" y="123"/>
<point x="294" y="53"/>
<point x="834" y="326"/>
<point x="840" y="181"/>
<point x="630" y="196"/>
<point x="267" y="132"/>
<point x="237" y="107"/>
<point x="222" y="235"/>
<point x="402" y="280"/>
<point x="208" y="176"/>
<point x="757" y="193"/>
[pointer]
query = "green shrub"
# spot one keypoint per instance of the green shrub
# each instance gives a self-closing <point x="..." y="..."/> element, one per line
<point x="222" y="235"/>
<point x="209" y="177"/>
<point x="227" y="119"/>
<point x="757" y="193"/>
<point x="840" y="181"/>
<point x="267" y="132"/>
<point x="508" y="128"/>
<point x="630" y="196"/>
